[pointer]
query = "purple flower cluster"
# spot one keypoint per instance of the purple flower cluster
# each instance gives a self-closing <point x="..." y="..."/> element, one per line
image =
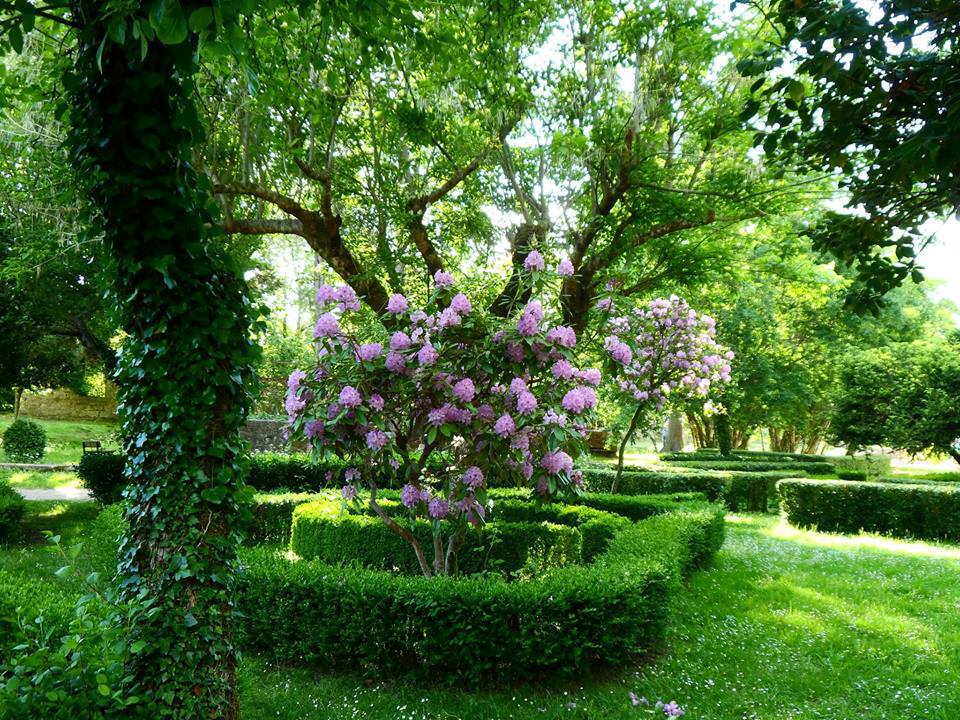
<point x="327" y="326"/>
<point x="534" y="261"/>
<point x="665" y="349"/>
<point x="511" y="403"/>
<point x="397" y="304"/>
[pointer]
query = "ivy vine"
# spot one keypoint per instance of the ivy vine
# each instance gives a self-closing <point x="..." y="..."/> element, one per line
<point x="185" y="370"/>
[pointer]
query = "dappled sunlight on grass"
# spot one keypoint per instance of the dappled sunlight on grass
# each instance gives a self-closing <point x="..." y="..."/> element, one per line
<point x="24" y="479"/>
<point x="865" y="541"/>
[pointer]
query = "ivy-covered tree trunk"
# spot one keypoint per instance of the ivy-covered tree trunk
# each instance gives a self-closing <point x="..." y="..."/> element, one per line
<point x="184" y="370"/>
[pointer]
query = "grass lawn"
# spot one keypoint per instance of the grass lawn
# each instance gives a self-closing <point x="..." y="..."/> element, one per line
<point x="65" y="437"/>
<point x="25" y="479"/>
<point x="788" y="625"/>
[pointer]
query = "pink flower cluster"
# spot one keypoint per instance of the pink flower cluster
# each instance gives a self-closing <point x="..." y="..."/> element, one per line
<point x="438" y="406"/>
<point x="664" y="350"/>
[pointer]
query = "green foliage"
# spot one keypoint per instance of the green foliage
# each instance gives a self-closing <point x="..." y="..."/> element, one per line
<point x="517" y="543"/>
<point x="25" y="441"/>
<point x="809" y="467"/>
<point x="903" y="396"/>
<point x="751" y="491"/>
<point x="917" y="511"/>
<point x="883" y="76"/>
<point x="472" y="631"/>
<point x="102" y="474"/>
<point x="12" y="508"/>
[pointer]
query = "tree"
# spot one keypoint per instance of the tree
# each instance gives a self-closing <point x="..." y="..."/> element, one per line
<point x="187" y="355"/>
<point x="658" y="355"/>
<point x="388" y="163"/>
<point x="35" y="353"/>
<point x="450" y="399"/>
<point x="903" y="396"/>
<point x="868" y="93"/>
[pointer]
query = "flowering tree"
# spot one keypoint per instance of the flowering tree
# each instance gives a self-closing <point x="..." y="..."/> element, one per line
<point x="450" y="387"/>
<point x="661" y="353"/>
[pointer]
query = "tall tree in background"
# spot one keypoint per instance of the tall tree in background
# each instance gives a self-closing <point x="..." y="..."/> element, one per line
<point x="870" y="92"/>
<point x="602" y="131"/>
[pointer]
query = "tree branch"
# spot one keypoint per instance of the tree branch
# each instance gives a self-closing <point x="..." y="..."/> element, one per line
<point x="264" y="226"/>
<point x="287" y="204"/>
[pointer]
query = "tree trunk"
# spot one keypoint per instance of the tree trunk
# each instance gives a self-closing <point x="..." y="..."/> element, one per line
<point x="722" y="428"/>
<point x="184" y="373"/>
<point x="954" y="453"/>
<point x="16" y="403"/>
<point x="674" y="433"/>
<point x="623" y="447"/>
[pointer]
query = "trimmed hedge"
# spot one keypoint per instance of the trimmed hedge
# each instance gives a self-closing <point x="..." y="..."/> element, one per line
<point x="807" y="467"/>
<point x="915" y="511"/>
<point x="12" y="509"/>
<point x="470" y="631"/>
<point x="322" y="531"/>
<point x="754" y="492"/>
<point x="102" y="474"/>
<point x="740" y="456"/>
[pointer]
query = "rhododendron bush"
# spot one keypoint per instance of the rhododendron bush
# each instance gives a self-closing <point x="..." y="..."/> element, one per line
<point x="658" y="354"/>
<point x="486" y="396"/>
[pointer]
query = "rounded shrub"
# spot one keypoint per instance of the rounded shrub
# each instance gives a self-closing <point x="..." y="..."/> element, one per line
<point x="102" y="474"/>
<point x="12" y="509"/>
<point x="25" y="441"/>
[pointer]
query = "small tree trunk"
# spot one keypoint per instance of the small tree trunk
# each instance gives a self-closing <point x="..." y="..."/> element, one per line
<point x="674" y="433"/>
<point x="954" y="453"/>
<point x="722" y="429"/>
<point x="16" y="403"/>
<point x="623" y="447"/>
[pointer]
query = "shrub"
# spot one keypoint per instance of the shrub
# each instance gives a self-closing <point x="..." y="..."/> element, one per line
<point x="102" y="474"/>
<point x="869" y="465"/>
<point x="809" y="467"/>
<point x="469" y="631"/>
<point x="919" y="511"/>
<point x="750" y="491"/>
<point x="322" y="530"/>
<point x="24" y="441"/>
<point x="12" y="508"/>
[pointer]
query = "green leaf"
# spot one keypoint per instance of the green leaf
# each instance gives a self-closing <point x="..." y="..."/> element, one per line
<point x="200" y="18"/>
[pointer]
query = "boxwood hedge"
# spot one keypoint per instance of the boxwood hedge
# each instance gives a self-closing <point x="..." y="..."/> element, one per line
<point x="806" y="467"/>
<point x="471" y="631"/>
<point x="751" y="491"/>
<point x="918" y="511"/>
<point x="12" y="508"/>
<point x="321" y="530"/>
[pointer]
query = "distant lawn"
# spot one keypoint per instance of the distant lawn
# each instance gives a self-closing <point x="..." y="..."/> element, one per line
<point x="65" y="437"/>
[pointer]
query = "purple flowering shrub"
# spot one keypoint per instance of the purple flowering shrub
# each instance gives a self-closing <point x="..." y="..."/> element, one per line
<point x="660" y="353"/>
<point x="485" y="395"/>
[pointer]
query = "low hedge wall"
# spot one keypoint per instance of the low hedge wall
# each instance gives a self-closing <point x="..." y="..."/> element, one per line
<point x="322" y="531"/>
<point x="102" y="474"/>
<point x="808" y="467"/>
<point x="915" y="511"/>
<point x="754" y="492"/>
<point x="740" y="456"/>
<point x="471" y="631"/>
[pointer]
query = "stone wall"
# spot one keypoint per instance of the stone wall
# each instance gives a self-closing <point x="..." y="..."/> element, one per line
<point x="266" y="435"/>
<point x="64" y="404"/>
